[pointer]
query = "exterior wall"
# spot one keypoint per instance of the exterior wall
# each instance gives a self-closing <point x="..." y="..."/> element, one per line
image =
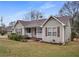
<point x="19" y="26"/>
<point x="39" y="35"/>
<point x="53" y="23"/>
<point x="67" y="32"/>
<point x="9" y="32"/>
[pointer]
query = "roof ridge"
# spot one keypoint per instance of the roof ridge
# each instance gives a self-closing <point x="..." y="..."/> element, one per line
<point x="31" y="20"/>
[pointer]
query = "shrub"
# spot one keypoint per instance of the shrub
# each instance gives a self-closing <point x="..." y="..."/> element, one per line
<point x="14" y="36"/>
<point x="3" y="32"/>
<point x="73" y="35"/>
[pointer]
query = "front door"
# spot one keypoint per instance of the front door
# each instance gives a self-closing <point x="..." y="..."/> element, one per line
<point x="33" y="32"/>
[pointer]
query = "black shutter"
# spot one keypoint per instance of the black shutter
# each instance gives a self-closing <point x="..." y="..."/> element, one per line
<point x="46" y="31"/>
<point x="58" y="31"/>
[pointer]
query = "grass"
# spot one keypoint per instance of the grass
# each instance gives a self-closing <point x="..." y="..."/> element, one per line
<point x="31" y="48"/>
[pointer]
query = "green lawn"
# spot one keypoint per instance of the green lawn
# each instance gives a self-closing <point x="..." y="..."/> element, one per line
<point x="31" y="48"/>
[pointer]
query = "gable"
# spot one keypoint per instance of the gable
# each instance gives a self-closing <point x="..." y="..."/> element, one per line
<point x="52" y="18"/>
<point x="52" y="23"/>
<point x="18" y="25"/>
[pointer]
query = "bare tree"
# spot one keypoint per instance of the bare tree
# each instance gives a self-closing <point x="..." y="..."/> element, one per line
<point x="71" y="8"/>
<point x="1" y="21"/>
<point x="34" y="15"/>
<point x="12" y="23"/>
<point x="2" y="28"/>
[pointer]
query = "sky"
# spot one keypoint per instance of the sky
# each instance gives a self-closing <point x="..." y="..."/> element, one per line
<point x="15" y="10"/>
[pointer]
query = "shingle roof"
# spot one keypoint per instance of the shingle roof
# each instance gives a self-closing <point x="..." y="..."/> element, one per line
<point x="64" y="19"/>
<point x="33" y="23"/>
<point x="37" y="23"/>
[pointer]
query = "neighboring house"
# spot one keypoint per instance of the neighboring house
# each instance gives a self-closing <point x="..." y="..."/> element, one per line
<point x="9" y="29"/>
<point x="2" y="30"/>
<point x="53" y="29"/>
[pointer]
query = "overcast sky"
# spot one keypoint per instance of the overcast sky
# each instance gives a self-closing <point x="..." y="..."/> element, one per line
<point x="13" y="11"/>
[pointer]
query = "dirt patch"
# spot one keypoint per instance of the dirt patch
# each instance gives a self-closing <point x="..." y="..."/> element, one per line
<point x="76" y="39"/>
<point x="4" y="37"/>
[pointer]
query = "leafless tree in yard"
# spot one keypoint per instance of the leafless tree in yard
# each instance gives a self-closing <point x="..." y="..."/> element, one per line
<point x="71" y="8"/>
<point x="34" y="15"/>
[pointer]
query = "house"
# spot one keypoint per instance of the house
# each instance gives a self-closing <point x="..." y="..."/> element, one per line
<point x="2" y="30"/>
<point x="53" y="29"/>
<point x="9" y="29"/>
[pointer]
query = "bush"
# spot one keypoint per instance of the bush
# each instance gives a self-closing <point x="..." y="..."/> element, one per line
<point x="3" y="32"/>
<point x="14" y="36"/>
<point x="73" y="35"/>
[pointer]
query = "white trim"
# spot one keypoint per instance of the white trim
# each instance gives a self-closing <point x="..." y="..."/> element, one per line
<point x="55" y="19"/>
<point x="43" y="23"/>
<point x="63" y="41"/>
<point x="59" y="21"/>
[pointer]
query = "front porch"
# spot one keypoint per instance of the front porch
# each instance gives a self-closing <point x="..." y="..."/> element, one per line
<point x="34" y="32"/>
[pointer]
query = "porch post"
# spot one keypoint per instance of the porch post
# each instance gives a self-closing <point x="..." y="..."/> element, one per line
<point x="32" y="31"/>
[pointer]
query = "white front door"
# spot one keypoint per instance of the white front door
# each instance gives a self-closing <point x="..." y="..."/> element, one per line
<point x="33" y="32"/>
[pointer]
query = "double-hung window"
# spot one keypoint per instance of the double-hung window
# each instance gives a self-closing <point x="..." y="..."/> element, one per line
<point x="28" y="30"/>
<point x="51" y="31"/>
<point x="39" y="30"/>
<point x="54" y="31"/>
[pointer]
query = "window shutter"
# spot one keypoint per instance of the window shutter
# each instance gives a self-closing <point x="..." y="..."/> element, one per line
<point x="58" y="31"/>
<point x="46" y="31"/>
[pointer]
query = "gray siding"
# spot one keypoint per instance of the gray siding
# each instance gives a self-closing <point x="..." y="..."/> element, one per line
<point x="53" y="23"/>
<point x="19" y="26"/>
<point x="67" y="33"/>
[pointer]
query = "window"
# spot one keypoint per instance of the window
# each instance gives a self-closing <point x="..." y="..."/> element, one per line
<point x="39" y="30"/>
<point x="54" y="31"/>
<point x="58" y="31"/>
<point x="54" y="34"/>
<point x="51" y="31"/>
<point x="49" y="34"/>
<point x="28" y="30"/>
